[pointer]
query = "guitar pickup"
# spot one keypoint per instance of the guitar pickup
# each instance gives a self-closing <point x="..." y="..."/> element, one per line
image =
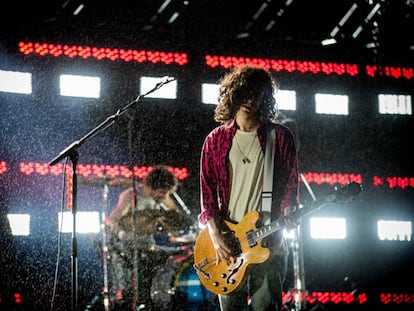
<point x="251" y="239"/>
<point x="235" y="246"/>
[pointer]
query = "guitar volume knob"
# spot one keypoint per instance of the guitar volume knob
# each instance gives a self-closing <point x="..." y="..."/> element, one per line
<point x="223" y="275"/>
<point x="224" y="289"/>
<point x="215" y="284"/>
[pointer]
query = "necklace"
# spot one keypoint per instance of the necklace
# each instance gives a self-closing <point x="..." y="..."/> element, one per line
<point x="245" y="158"/>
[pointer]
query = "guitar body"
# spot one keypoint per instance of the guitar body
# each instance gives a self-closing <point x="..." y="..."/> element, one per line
<point x="222" y="278"/>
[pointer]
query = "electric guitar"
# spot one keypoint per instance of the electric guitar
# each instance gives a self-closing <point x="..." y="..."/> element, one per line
<point x="222" y="278"/>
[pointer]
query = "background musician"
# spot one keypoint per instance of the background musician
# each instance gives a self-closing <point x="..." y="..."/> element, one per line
<point x="156" y="218"/>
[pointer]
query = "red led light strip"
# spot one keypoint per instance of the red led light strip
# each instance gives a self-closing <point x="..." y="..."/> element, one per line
<point x="98" y="170"/>
<point x="394" y="182"/>
<point x="326" y="297"/>
<point x="85" y="52"/>
<point x="323" y="298"/>
<point x="3" y="167"/>
<point x="309" y="66"/>
<point x="393" y="298"/>
<point x="283" y="65"/>
<point x="113" y="171"/>
<point x="388" y="71"/>
<point x="331" y="178"/>
<point x="347" y="298"/>
<point x="141" y="56"/>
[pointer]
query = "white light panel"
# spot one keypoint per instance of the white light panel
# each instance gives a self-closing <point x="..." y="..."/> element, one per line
<point x="331" y="104"/>
<point x="395" y="104"/>
<point x="209" y="93"/>
<point x="394" y="230"/>
<point x="327" y="228"/>
<point x="86" y="222"/>
<point x="15" y="82"/>
<point x="80" y="86"/>
<point x="286" y="99"/>
<point x="19" y="224"/>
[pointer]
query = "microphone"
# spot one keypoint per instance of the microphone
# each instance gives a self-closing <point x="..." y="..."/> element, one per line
<point x="164" y="80"/>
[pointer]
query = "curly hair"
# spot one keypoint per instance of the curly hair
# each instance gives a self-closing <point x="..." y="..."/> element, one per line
<point x="160" y="177"/>
<point x="244" y="83"/>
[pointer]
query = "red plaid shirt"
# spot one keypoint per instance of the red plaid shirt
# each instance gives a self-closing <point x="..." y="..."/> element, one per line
<point x="215" y="179"/>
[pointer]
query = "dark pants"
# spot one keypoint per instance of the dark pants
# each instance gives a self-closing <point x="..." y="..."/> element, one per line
<point x="264" y="286"/>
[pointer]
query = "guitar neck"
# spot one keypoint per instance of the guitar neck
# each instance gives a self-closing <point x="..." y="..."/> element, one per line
<point x="279" y="224"/>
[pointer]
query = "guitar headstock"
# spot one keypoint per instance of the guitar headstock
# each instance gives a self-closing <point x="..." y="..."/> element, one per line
<point x="345" y="194"/>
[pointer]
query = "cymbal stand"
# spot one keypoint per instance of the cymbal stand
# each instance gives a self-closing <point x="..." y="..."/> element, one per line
<point x="105" y="253"/>
<point x="298" y="262"/>
<point x="298" y="271"/>
<point x="182" y="204"/>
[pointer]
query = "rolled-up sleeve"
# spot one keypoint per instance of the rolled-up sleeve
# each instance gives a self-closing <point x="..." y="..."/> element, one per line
<point x="285" y="183"/>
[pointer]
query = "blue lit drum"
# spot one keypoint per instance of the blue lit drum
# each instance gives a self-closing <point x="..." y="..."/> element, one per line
<point x="190" y="294"/>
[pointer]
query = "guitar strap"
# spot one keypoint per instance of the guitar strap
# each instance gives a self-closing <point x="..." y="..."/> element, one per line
<point x="268" y="172"/>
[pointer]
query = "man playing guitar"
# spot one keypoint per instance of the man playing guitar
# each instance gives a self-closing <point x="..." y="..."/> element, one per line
<point x="231" y="181"/>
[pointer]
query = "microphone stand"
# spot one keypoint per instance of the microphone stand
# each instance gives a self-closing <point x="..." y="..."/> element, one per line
<point x="72" y="154"/>
<point x="134" y="200"/>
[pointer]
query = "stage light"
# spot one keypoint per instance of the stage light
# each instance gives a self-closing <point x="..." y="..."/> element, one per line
<point x="327" y="228"/>
<point x="286" y="100"/>
<point x="19" y="224"/>
<point x="209" y="93"/>
<point x="394" y="230"/>
<point x="80" y="86"/>
<point x="344" y="19"/>
<point x="331" y="104"/>
<point x="395" y="104"/>
<point x="78" y="9"/>
<point x="167" y="91"/>
<point x="173" y="17"/>
<point x="329" y="41"/>
<point x="15" y="82"/>
<point x="86" y="222"/>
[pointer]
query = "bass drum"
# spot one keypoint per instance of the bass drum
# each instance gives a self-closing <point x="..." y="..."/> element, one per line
<point x="162" y="290"/>
<point x="190" y="294"/>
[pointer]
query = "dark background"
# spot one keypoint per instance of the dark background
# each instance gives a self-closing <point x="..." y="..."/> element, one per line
<point x="35" y="128"/>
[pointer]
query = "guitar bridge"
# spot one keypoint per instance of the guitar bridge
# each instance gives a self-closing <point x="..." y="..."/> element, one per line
<point x="199" y="267"/>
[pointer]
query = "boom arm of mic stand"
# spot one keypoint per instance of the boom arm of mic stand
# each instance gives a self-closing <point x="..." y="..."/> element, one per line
<point x="107" y="123"/>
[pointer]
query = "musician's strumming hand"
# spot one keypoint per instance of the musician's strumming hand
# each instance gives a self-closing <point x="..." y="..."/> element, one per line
<point x="223" y="241"/>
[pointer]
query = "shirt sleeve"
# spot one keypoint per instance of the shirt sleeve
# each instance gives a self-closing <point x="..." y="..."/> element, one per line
<point x="286" y="181"/>
<point x="208" y="189"/>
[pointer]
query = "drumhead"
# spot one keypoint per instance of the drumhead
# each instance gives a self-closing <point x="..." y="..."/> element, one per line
<point x="189" y="292"/>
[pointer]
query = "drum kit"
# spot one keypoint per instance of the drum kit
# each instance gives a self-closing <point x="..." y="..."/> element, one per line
<point x="176" y="285"/>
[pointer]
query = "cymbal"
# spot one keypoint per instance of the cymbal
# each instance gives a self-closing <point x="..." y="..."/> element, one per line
<point x="93" y="181"/>
<point x="176" y="221"/>
<point x="120" y="182"/>
<point x="102" y="181"/>
<point x="147" y="221"/>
